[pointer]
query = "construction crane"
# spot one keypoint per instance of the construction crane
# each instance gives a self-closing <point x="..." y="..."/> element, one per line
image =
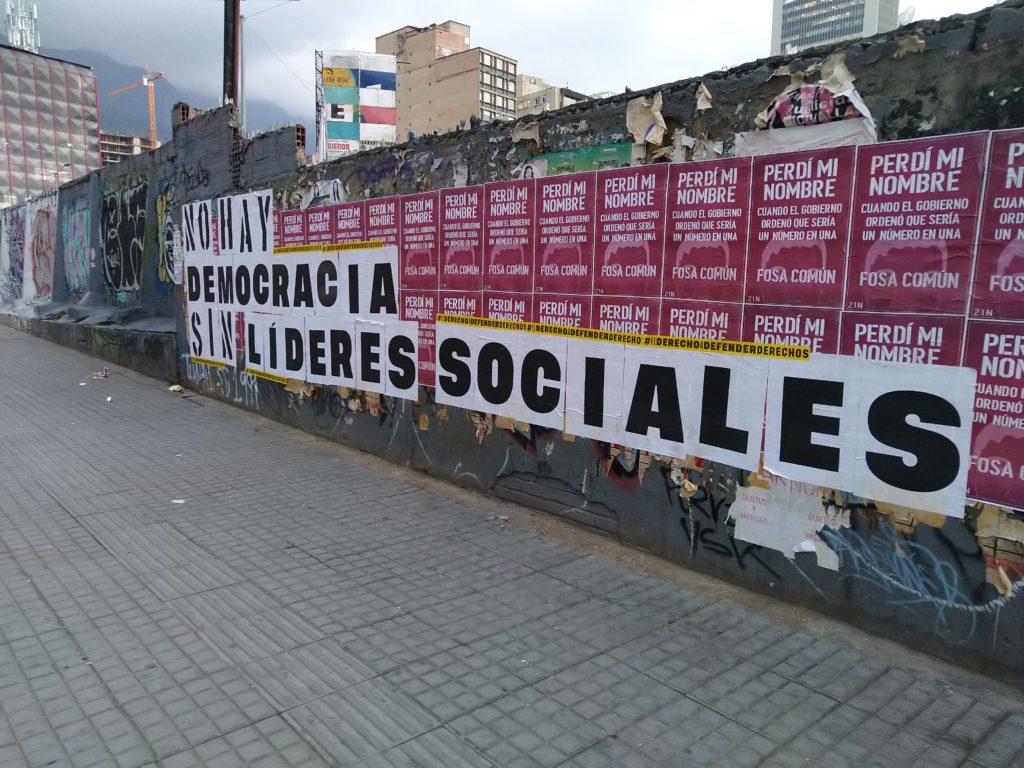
<point x="146" y="81"/>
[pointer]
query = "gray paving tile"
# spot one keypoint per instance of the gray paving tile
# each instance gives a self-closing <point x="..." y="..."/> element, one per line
<point x="533" y="650"/>
<point x="360" y="721"/>
<point x="527" y="728"/>
<point x="298" y="675"/>
<point x="190" y="579"/>
<point x="394" y="642"/>
<point x="688" y="731"/>
<point x="1002" y="747"/>
<point x="439" y="747"/>
<point x="270" y="742"/>
<point x="450" y="683"/>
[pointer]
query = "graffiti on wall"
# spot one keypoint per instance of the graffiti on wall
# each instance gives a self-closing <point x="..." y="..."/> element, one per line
<point x="167" y="268"/>
<point x="12" y="253"/>
<point x="42" y="246"/>
<point x="123" y="238"/>
<point x="74" y="232"/>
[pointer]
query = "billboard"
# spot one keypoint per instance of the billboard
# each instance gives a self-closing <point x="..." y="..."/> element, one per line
<point x="883" y="286"/>
<point x="356" y="102"/>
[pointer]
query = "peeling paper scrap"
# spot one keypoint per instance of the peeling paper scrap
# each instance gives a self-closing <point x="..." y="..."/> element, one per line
<point x="787" y="517"/>
<point x="996" y="523"/>
<point x="644" y="120"/>
<point x="703" y="98"/>
<point x="530" y="132"/>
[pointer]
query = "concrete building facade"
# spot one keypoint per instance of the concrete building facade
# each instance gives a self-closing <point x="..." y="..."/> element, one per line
<point x="535" y="96"/>
<point x="798" y="24"/>
<point x="51" y="123"/>
<point x="443" y="83"/>
<point x="114" y="147"/>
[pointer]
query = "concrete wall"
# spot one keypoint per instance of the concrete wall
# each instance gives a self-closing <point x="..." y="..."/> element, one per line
<point x="927" y="580"/>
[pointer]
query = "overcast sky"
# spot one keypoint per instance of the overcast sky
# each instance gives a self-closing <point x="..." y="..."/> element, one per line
<point x="589" y="45"/>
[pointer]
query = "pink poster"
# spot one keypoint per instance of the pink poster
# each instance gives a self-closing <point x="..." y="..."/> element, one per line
<point x="706" y="242"/>
<point x="293" y="227"/>
<point x="999" y="274"/>
<point x="565" y="310"/>
<point x="418" y="252"/>
<point x="462" y="224"/>
<point x="914" y="222"/>
<point x="996" y="351"/>
<point x="630" y="231"/>
<point x="278" y="229"/>
<point x="794" y="326"/>
<point x="462" y="303"/>
<point x="694" y="319"/>
<point x="929" y="339"/>
<point x="509" y="235"/>
<point x="508" y="306"/>
<point x="564" y="256"/>
<point x="421" y="306"/>
<point x="350" y="222"/>
<point x="626" y="315"/>
<point x="382" y="220"/>
<point x="320" y="224"/>
<point x="800" y="219"/>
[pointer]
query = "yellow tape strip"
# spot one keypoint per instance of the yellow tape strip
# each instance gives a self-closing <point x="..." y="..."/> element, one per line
<point x="268" y="376"/>
<point x="359" y="245"/>
<point x="204" y="361"/>
<point x="749" y="348"/>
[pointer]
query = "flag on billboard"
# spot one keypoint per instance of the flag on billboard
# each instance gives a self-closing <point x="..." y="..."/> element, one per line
<point x="374" y="97"/>
<point x="359" y="101"/>
<point x="377" y="115"/>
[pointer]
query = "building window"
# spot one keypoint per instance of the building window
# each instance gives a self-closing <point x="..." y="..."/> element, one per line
<point x="512" y="68"/>
<point x="488" y="60"/>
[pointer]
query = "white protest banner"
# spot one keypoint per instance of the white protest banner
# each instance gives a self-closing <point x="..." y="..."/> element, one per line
<point x="891" y="432"/>
<point x="245" y="224"/>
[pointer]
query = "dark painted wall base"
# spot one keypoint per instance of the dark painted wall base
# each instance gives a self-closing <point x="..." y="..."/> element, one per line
<point x="152" y="353"/>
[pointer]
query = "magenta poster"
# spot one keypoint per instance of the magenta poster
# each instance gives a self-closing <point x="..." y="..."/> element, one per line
<point x="508" y="306"/>
<point x="293" y="228"/>
<point x="810" y="327"/>
<point x="462" y="224"/>
<point x="565" y="310"/>
<point x="564" y="255"/>
<point x="421" y="307"/>
<point x="996" y="351"/>
<point x="350" y="222"/>
<point x="890" y="338"/>
<point x="696" y="319"/>
<point x="630" y="231"/>
<point x="706" y="238"/>
<point x="799" y="223"/>
<point x="418" y="219"/>
<point x="462" y="303"/>
<point x="320" y="224"/>
<point x="914" y="223"/>
<point x="999" y="273"/>
<point x="278" y="229"/>
<point x="509" y="235"/>
<point x="382" y="220"/>
<point x="626" y="315"/>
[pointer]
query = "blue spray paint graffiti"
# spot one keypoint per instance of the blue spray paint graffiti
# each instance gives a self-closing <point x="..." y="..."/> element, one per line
<point x="914" y="576"/>
<point x="74" y="231"/>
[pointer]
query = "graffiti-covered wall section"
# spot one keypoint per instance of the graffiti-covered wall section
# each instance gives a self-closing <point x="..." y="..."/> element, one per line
<point x="943" y="583"/>
<point x="93" y="264"/>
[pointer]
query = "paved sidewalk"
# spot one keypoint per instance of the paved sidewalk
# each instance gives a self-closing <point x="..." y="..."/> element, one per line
<point x="307" y="605"/>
